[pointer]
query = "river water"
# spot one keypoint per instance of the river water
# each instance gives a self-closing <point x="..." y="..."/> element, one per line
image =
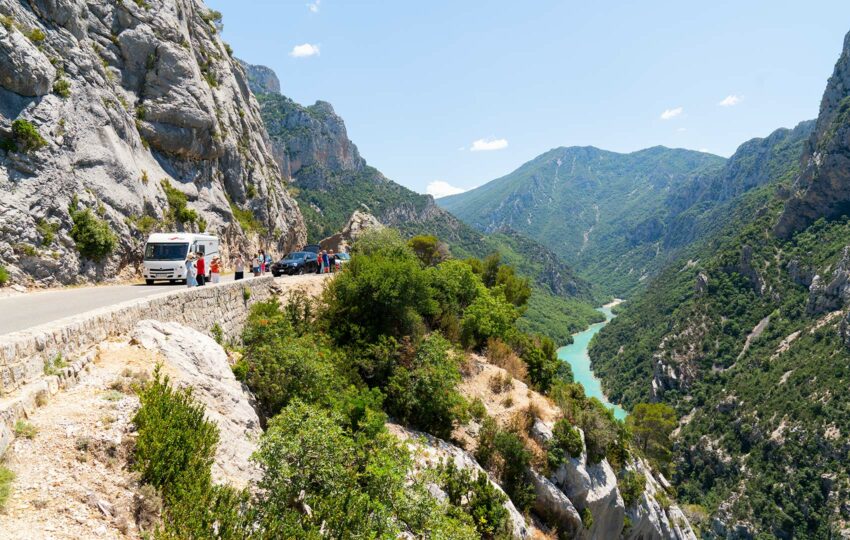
<point x="576" y="355"/>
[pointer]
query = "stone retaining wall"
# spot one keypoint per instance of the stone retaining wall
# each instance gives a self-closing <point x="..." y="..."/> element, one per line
<point x="23" y="355"/>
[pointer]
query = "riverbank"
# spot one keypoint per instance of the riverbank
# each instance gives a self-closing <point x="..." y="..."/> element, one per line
<point x="579" y="359"/>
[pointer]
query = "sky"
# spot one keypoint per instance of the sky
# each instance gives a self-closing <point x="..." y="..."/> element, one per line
<point x="445" y="95"/>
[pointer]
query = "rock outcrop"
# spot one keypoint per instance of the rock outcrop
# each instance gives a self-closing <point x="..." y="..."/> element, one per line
<point x="430" y="452"/>
<point x="828" y="293"/>
<point x="823" y="187"/>
<point x="197" y="361"/>
<point x="144" y="94"/>
<point x="358" y="223"/>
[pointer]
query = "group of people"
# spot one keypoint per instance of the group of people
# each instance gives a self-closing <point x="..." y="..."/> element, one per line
<point x="196" y="270"/>
<point x="327" y="262"/>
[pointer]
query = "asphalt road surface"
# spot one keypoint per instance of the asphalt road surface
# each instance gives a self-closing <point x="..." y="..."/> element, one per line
<point x="24" y="311"/>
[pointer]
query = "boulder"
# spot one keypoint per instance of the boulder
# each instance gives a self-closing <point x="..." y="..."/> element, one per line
<point x="24" y="69"/>
<point x="358" y="223"/>
<point x="195" y="360"/>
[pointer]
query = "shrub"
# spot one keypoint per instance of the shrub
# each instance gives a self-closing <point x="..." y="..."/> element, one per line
<point x="631" y="485"/>
<point x="26" y="136"/>
<point x="425" y="394"/>
<point x="246" y="219"/>
<point x="47" y="230"/>
<point x="586" y="518"/>
<point x="477" y="497"/>
<point x="488" y="316"/>
<point x="4" y="275"/>
<point x="354" y="486"/>
<point x="35" y="35"/>
<point x="384" y="291"/>
<point x="217" y="333"/>
<point x="428" y="249"/>
<point x="501" y="354"/>
<point x="251" y="191"/>
<point x="62" y="88"/>
<point x="540" y="356"/>
<point x="6" y="479"/>
<point x="651" y="425"/>
<point x="281" y="366"/>
<point x="566" y="443"/>
<point x="52" y="367"/>
<point x="177" y="204"/>
<point x="517" y="460"/>
<point x="91" y="234"/>
<point x="25" y="429"/>
<point x="176" y="444"/>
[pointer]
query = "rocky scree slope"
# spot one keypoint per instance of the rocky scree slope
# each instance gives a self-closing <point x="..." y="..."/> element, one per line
<point x="332" y="181"/>
<point x="749" y="340"/>
<point x="131" y="104"/>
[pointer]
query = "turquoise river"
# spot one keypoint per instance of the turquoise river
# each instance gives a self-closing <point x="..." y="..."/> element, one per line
<point x="576" y="355"/>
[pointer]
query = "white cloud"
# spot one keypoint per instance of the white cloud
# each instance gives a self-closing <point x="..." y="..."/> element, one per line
<point x="704" y="150"/>
<point x="304" y="50"/>
<point x="672" y="113"/>
<point x="314" y="6"/>
<point x="730" y="101"/>
<point x="483" y="145"/>
<point x="439" y="188"/>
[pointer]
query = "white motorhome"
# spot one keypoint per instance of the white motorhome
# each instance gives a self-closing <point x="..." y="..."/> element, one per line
<point x="166" y="253"/>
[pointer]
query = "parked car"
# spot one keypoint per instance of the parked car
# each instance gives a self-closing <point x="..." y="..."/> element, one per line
<point x="297" y="262"/>
<point x="342" y="259"/>
<point x="312" y="248"/>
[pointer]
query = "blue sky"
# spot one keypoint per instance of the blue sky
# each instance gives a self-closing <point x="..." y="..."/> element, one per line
<point x="462" y="92"/>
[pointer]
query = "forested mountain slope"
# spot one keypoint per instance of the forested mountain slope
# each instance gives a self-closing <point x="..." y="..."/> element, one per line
<point x="330" y="180"/>
<point x="749" y="340"/>
<point x="588" y="204"/>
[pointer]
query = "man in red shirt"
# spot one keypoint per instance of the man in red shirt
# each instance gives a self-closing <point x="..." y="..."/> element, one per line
<point x="202" y="270"/>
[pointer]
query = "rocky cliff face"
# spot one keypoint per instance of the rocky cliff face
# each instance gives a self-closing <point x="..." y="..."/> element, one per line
<point x="823" y="186"/>
<point x="126" y="98"/>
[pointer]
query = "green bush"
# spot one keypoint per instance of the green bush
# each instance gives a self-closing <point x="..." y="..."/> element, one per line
<point x="565" y="443"/>
<point x="541" y="359"/>
<point x="384" y="291"/>
<point x="246" y="219"/>
<point x="6" y="479"/>
<point x="91" y="234"/>
<point x="425" y="394"/>
<point x="35" y="35"/>
<point x="476" y="496"/>
<point x="26" y="136"/>
<point x="47" y="230"/>
<point x="586" y="518"/>
<point x="516" y="460"/>
<point x="177" y="204"/>
<point x="62" y="88"/>
<point x="428" y="249"/>
<point x="651" y="425"/>
<point x="176" y="445"/>
<point x="632" y="485"/>
<point x="488" y="316"/>
<point x="4" y="275"/>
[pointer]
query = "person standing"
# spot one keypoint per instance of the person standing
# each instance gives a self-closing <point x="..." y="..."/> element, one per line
<point x="332" y="261"/>
<point x="319" y="262"/>
<point x="325" y="262"/>
<point x="202" y="270"/>
<point x="261" y="261"/>
<point x="268" y="262"/>
<point x="190" y="271"/>
<point x="239" y="263"/>
<point x="215" y="270"/>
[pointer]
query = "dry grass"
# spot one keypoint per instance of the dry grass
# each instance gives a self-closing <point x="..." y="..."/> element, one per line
<point x="501" y="354"/>
<point x="501" y="382"/>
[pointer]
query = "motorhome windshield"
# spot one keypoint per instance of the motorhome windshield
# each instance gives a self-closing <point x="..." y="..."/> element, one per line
<point x="166" y="252"/>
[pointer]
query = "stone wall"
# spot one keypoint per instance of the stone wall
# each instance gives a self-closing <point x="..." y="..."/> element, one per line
<point x="23" y="355"/>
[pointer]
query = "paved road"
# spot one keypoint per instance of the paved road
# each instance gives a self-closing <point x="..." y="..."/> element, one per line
<point x="27" y="310"/>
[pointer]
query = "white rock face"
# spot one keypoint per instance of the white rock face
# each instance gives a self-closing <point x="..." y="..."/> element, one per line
<point x="154" y="94"/>
<point x="358" y="224"/>
<point x="429" y="451"/>
<point x="197" y="361"/>
<point x="649" y="519"/>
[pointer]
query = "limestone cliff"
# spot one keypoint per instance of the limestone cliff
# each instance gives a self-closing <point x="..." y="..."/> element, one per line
<point x="128" y="98"/>
<point x="823" y="187"/>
